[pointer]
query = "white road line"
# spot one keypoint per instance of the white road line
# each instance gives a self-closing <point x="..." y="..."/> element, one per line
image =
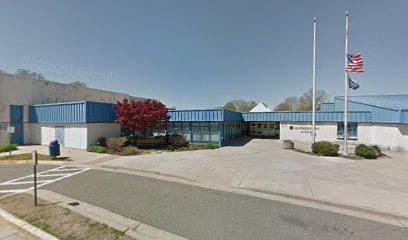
<point x="70" y="175"/>
<point x="31" y="175"/>
<point x="22" y="183"/>
<point x="41" y="182"/>
<point x="53" y="175"/>
<point x="67" y="169"/>
<point x="13" y="191"/>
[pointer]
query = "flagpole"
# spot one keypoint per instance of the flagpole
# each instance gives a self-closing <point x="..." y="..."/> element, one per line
<point x="314" y="82"/>
<point x="345" y="131"/>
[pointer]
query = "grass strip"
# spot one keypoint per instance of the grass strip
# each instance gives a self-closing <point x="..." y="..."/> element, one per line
<point x="28" y="156"/>
<point x="59" y="221"/>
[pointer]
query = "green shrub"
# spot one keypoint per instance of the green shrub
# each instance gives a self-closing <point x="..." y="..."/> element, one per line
<point x="8" y="147"/>
<point x="97" y="149"/>
<point x="211" y="146"/>
<point x="287" y="141"/>
<point x="132" y="140"/>
<point x="200" y="146"/>
<point x="177" y="140"/>
<point x="159" y="137"/>
<point x="129" y="150"/>
<point x="195" y="146"/>
<point x="101" y="142"/>
<point x="365" y="151"/>
<point x="171" y="147"/>
<point x="116" y="142"/>
<point x="325" y="148"/>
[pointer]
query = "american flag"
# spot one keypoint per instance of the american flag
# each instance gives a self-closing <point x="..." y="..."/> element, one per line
<point x="355" y="63"/>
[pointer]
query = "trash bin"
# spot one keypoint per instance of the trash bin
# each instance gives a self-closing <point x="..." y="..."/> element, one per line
<point x="54" y="148"/>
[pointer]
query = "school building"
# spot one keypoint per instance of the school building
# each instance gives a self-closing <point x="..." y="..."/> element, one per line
<point x="42" y="111"/>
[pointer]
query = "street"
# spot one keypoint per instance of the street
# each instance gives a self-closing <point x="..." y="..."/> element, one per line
<point x="199" y="213"/>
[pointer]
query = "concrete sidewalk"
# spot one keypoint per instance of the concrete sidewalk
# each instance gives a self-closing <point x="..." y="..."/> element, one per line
<point x="76" y="156"/>
<point x="7" y="232"/>
<point x="263" y="166"/>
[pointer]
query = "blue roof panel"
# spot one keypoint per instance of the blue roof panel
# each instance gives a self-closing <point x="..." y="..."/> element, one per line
<point x="72" y="112"/>
<point x="332" y="116"/>
<point x="327" y="106"/>
<point x="379" y="109"/>
<point x="208" y="115"/>
<point x="394" y="102"/>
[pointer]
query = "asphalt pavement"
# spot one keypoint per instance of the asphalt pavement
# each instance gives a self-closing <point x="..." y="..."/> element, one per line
<point x="199" y="213"/>
<point x="11" y="171"/>
<point x="19" y="177"/>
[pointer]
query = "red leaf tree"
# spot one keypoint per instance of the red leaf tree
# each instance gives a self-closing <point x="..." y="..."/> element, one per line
<point x="140" y="115"/>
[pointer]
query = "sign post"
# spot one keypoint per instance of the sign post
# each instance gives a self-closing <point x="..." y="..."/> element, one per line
<point x="35" y="162"/>
<point x="10" y="131"/>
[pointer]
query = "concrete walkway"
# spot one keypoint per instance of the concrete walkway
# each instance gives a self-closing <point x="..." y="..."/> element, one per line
<point x="76" y="156"/>
<point x="9" y="233"/>
<point x="262" y="165"/>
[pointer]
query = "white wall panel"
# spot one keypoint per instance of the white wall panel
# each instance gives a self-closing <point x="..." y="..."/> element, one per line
<point x="302" y="131"/>
<point x="76" y="136"/>
<point x="47" y="134"/>
<point x="388" y="136"/>
<point x="97" y="130"/>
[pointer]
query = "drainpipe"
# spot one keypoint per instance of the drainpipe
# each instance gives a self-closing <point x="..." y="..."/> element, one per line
<point x="191" y="133"/>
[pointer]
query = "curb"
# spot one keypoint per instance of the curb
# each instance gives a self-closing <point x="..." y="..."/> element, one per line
<point x="130" y="227"/>
<point x="45" y="162"/>
<point x="332" y="204"/>
<point x="26" y="226"/>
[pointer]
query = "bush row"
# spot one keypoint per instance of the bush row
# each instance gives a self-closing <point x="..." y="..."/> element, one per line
<point x="97" y="149"/>
<point x="127" y="145"/>
<point x="367" y="152"/>
<point x="325" y="148"/>
<point x="8" y="147"/>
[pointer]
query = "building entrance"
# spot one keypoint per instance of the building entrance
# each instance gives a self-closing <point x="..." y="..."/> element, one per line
<point x="264" y="129"/>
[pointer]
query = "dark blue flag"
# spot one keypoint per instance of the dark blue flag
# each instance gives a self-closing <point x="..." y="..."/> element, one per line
<point x="353" y="84"/>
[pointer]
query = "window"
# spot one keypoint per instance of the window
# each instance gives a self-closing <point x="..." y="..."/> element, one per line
<point x="170" y="127"/>
<point x="159" y="131"/>
<point x="265" y="126"/>
<point x="205" y="132"/>
<point x="351" y="129"/>
<point x="177" y="128"/>
<point x="186" y="130"/>
<point x="195" y="129"/>
<point x="259" y="125"/>
<point x="214" y="132"/>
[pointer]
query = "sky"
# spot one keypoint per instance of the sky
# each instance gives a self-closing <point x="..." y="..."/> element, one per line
<point x="202" y="53"/>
